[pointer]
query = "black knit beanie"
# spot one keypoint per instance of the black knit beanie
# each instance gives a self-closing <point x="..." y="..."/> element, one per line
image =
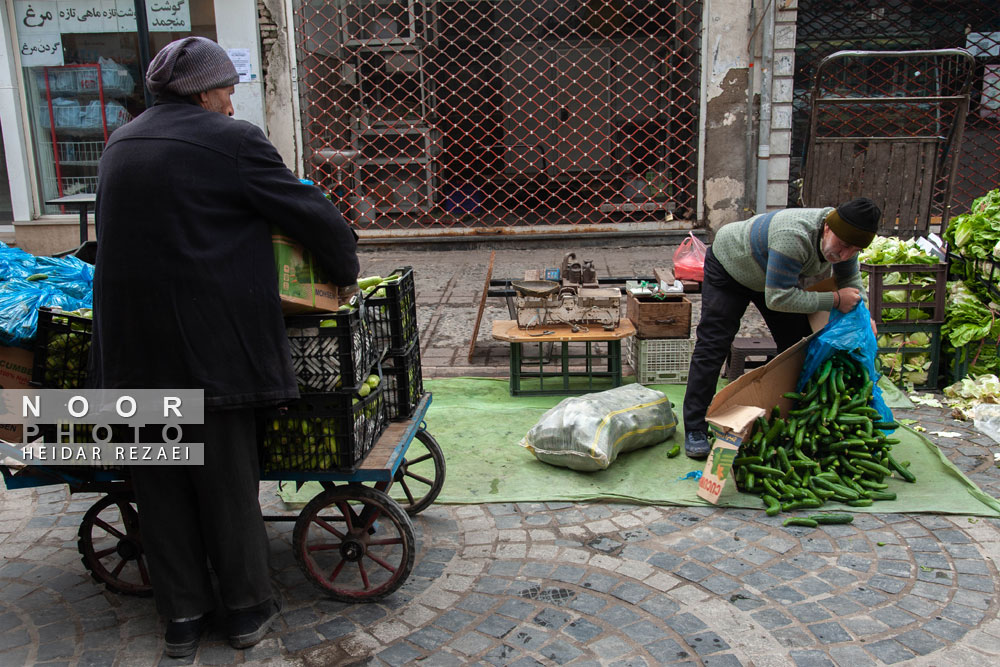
<point x="190" y="65"/>
<point x="855" y="222"/>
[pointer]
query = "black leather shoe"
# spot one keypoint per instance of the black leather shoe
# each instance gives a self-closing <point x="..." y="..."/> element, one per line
<point x="246" y="627"/>
<point x="182" y="636"/>
<point x="696" y="444"/>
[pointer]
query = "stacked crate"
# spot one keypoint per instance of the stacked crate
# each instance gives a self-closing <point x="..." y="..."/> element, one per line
<point x="339" y="415"/>
<point x="916" y="336"/>
<point x="660" y="351"/>
<point x="393" y="311"/>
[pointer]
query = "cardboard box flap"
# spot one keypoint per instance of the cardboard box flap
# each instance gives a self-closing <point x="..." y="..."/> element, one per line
<point x="763" y="387"/>
<point x="735" y="417"/>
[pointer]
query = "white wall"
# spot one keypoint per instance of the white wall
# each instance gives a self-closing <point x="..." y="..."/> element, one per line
<point x="236" y="27"/>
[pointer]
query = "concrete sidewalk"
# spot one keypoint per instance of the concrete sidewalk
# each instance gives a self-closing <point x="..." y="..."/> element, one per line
<point x="560" y="583"/>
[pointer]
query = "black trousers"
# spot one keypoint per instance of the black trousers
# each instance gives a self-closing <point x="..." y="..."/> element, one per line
<point x="723" y="302"/>
<point x="193" y="515"/>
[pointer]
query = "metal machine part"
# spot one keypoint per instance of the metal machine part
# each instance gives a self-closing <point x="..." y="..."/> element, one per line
<point x="578" y="300"/>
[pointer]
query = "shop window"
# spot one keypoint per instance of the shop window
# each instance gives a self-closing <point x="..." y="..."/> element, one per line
<point x="83" y="78"/>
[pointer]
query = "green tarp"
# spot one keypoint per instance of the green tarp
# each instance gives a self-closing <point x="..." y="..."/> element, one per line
<point x="479" y="425"/>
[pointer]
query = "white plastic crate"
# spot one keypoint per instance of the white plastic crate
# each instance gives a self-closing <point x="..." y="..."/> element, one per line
<point x="660" y="360"/>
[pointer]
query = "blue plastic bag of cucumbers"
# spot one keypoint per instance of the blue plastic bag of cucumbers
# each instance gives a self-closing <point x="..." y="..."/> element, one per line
<point x="19" y="304"/>
<point x="851" y="332"/>
<point x="70" y="275"/>
<point x="15" y="263"/>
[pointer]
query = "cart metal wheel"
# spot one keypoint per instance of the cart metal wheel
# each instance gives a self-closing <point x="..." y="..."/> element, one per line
<point x="354" y="543"/>
<point x="421" y="474"/>
<point x="111" y="545"/>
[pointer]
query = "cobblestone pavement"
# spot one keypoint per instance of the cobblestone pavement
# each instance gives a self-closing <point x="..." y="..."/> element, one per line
<point x="559" y="583"/>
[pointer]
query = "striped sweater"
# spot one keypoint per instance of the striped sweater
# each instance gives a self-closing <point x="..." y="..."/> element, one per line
<point x="770" y="252"/>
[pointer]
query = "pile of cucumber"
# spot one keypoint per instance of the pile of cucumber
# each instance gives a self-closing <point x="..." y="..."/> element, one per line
<point x="831" y="446"/>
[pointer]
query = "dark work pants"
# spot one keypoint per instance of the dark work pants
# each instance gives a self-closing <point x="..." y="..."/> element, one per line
<point x="193" y="515"/>
<point x="723" y="303"/>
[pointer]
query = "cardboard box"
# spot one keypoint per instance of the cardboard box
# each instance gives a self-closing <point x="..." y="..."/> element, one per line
<point x="301" y="285"/>
<point x="15" y="373"/>
<point x="662" y="316"/>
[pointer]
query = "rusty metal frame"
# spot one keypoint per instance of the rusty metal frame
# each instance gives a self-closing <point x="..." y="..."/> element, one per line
<point x="936" y="190"/>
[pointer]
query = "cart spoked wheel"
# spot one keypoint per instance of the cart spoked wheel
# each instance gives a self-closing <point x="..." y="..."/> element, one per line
<point x="354" y="543"/>
<point x="111" y="545"/>
<point x="421" y="474"/>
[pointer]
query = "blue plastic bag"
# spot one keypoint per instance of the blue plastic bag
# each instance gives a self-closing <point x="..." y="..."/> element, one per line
<point x="15" y="263"/>
<point x="19" y="304"/>
<point x="68" y="274"/>
<point x="851" y="332"/>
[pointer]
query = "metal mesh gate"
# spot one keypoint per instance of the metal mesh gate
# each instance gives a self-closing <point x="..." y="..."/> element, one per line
<point x="472" y="113"/>
<point x="825" y="26"/>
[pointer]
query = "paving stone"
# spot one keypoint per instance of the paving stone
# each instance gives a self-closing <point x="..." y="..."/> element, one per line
<point x="609" y="648"/>
<point x="510" y="568"/>
<point x="692" y="572"/>
<point x="582" y="630"/>
<point x="813" y="586"/>
<point x="618" y="616"/>
<point x="551" y="618"/>
<point x="517" y="609"/>
<point x="528" y="637"/>
<point x="667" y="651"/>
<point x="706" y="554"/>
<point x="810" y="659"/>
<point x="918" y="606"/>
<point x="760" y="580"/>
<point x="951" y="536"/>
<point x="854" y="562"/>
<point x="662" y="528"/>
<point x="587" y="603"/>
<point x="945" y="629"/>
<point x="962" y="614"/>
<point x="633" y="552"/>
<point x="501" y="655"/>
<point x="560" y="652"/>
<point x="686" y="624"/>
<point x="494" y="586"/>
<point x="866" y="597"/>
<point x="722" y="660"/>
<point x="840" y="605"/>
<point x="854" y="656"/>
<point x="937" y="561"/>
<point x="808" y="612"/>
<point x="660" y="605"/>
<point x="968" y="566"/>
<point x="919" y="642"/>
<point x="471" y="643"/>
<point x="734" y="566"/>
<point x="644" y="632"/>
<point x="14" y="639"/>
<point x="894" y="568"/>
<point x="743" y="600"/>
<point x="976" y="583"/>
<point x="837" y="577"/>
<point x="785" y="594"/>
<point x="336" y="627"/>
<point x="706" y="643"/>
<point x="887" y="584"/>
<point x="771" y="618"/>
<point x="720" y="584"/>
<point x="496" y="626"/>
<point x="300" y="639"/>
<point x="97" y="659"/>
<point x="830" y="633"/>
<point x="889" y="651"/>
<point x="602" y="583"/>
<point x="476" y="603"/>
<point x="455" y="620"/>
<point x="793" y="637"/>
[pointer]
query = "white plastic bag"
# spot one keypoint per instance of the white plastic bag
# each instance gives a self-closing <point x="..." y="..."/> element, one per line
<point x="986" y="417"/>
<point x="589" y="432"/>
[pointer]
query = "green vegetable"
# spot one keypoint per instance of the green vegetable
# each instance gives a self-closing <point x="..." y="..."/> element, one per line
<point x="832" y="518"/>
<point x="800" y="521"/>
<point x="674" y="451"/>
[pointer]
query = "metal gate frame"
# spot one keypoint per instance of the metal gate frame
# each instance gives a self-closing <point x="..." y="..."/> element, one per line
<point x="884" y="116"/>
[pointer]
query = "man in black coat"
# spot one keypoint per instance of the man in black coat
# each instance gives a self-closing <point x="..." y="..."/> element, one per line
<point x="186" y="296"/>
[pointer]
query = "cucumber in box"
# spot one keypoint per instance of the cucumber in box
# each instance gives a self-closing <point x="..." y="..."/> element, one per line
<point x="301" y="284"/>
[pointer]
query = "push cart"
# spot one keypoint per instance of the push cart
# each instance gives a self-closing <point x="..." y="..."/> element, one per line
<point x="353" y="541"/>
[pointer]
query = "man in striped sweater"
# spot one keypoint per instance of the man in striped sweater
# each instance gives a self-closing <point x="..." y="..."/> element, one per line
<point x="760" y="261"/>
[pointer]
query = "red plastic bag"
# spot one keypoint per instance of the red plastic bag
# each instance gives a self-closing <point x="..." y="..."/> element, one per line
<point x="689" y="259"/>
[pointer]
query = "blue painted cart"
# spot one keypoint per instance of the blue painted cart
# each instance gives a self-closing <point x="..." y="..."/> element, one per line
<point x="353" y="541"/>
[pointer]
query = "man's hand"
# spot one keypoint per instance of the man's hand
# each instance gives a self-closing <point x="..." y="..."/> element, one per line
<point x="846" y="298"/>
<point x="345" y="292"/>
<point x="874" y="328"/>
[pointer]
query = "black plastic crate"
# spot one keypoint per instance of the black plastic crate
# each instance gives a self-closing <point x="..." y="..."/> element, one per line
<point x="332" y="351"/>
<point x="62" y="350"/>
<point x="911" y="288"/>
<point x="327" y="432"/>
<point x="404" y="383"/>
<point x="901" y="350"/>
<point x="393" y="311"/>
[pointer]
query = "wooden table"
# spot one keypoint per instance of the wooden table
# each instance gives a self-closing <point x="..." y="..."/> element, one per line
<point x="562" y="376"/>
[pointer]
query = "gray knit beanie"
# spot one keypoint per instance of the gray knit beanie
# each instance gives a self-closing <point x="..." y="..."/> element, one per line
<point x="190" y="65"/>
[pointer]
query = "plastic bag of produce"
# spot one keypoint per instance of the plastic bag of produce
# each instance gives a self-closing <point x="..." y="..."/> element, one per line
<point x="589" y="432"/>
<point x="15" y="263"/>
<point x="19" y="304"/>
<point x="68" y="274"/>
<point x="851" y="332"/>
